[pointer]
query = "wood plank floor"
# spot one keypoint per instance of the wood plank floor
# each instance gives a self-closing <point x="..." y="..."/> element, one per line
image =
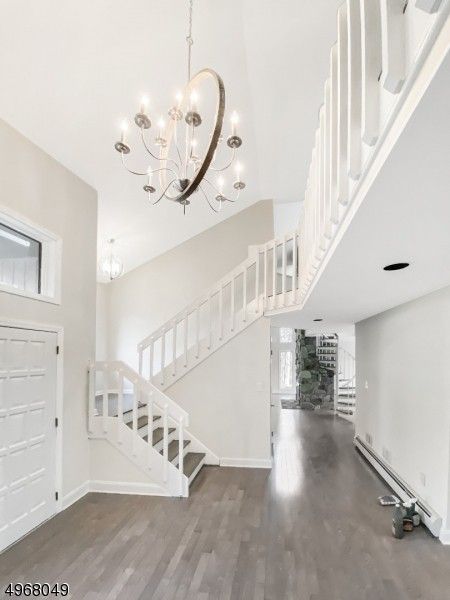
<point x="310" y="529"/>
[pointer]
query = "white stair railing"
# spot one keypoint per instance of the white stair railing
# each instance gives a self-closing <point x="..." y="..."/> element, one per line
<point x="381" y="48"/>
<point x="267" y="280"/>
<point x="117" y="379"/>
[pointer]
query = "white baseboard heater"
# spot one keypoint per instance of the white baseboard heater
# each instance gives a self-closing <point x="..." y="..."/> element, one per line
<point x="431" y="519"/>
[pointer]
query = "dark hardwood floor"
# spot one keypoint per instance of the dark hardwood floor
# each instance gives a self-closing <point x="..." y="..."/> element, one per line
<point x="309" y="529"/>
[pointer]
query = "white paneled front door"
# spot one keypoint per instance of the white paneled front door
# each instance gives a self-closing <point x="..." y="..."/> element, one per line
<point x="27" y="431"/>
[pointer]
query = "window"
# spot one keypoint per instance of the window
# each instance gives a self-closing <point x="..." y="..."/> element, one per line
<point x="286" y="369"/>
<point x="30" y="259"/>
<point x="20" y="260"/>
<point x="286" y="335"/>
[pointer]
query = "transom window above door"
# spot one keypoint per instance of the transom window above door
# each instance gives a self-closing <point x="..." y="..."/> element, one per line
<point x="20" y="260"/>
<point x="30" y="259"/>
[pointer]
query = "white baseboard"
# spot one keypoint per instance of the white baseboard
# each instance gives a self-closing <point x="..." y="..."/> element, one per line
<point x="124" y="487"/>
<point x="403" y="490"/>
<point x="75" y="495"/>
<point x="444" y="537"/>
<point x="248" y="463"/>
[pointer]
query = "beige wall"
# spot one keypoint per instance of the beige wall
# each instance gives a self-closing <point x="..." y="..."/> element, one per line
<point x="227" y="397"/>
<point x="39" y="188"/>
<point x="403" y="383"/>
<point x="145" y="298"/>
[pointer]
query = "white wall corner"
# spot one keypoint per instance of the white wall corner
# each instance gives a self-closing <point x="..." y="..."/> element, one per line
<point x="75" y="495"/>
<point x="247" y="463"/>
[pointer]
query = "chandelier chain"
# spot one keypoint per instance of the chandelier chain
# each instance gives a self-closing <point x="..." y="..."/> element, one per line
<point x="189" y="39"/>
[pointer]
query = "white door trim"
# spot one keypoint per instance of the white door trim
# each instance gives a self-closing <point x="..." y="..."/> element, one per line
<point x="59" y="330"/>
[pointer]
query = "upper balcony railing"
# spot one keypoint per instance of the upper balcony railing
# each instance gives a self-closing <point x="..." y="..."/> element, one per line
<point x="382" y="47"/>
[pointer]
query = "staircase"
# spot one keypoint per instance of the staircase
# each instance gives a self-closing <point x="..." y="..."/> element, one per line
<point x="131" y="409"/>
<point x="345" y="401"/>
<point x="326" y="350"/>
<point x="146" y="426"/>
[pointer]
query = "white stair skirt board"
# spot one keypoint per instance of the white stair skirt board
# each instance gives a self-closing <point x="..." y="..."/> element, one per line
<point x="431" y="519"/>
<point x="248" y="463"/>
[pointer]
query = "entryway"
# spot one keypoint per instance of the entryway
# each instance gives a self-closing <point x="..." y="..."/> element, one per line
<point x="28" y="374"/>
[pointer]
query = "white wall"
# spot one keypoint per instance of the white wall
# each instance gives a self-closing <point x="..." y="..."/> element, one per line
<point x="36" y="186"/>
<point x="145" y="298"/>
<point x="228" y="398"/>
<point x="101" y="322"/>
<point x="403" y="355"/>
<point x="286" y="217"/>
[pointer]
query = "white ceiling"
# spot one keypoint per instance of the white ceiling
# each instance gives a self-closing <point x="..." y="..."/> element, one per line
<point x="405" y="217"/>
<point x="71" y="71"/>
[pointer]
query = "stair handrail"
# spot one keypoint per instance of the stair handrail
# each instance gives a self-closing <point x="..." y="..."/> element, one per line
<point x="262" y="298"/>
<point x="223" y="281"/>
<point x="175" y="412"/>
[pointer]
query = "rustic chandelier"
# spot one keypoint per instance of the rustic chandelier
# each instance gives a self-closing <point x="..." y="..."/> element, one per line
<point x="183" y="153"/>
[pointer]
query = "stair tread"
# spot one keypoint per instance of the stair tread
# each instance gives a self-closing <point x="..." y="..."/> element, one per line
<point x="142" y="421"/>
<point x="130" y="410"/>
<point x="191" y="462"/>
<point x="158" y="434"/>
<point x="173" y="448"/>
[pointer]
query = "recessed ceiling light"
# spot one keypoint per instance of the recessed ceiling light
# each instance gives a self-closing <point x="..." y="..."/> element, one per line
<point x="396" y="266"/>
<point x="317" y="319"/>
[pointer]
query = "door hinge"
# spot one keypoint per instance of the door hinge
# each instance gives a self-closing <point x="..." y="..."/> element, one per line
<point x="56" y="422"/>
<point x="56" y="495"/>
<point x="57" y="349"/>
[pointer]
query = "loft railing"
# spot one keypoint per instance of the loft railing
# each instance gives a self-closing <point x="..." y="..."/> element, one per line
<point x="381" y="48"/>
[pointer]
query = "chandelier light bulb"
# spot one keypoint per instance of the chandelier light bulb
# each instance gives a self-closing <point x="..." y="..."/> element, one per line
<point x="194" y="100"/>
<point x="144" y="105"/>
<point x="179" y="99"/>
<point x="220" y="183"/>
<point x="234" y="121"/>
<point x="238" y="169"/>
<point x="149" y="175"/>
<point x="123" y="131"/>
